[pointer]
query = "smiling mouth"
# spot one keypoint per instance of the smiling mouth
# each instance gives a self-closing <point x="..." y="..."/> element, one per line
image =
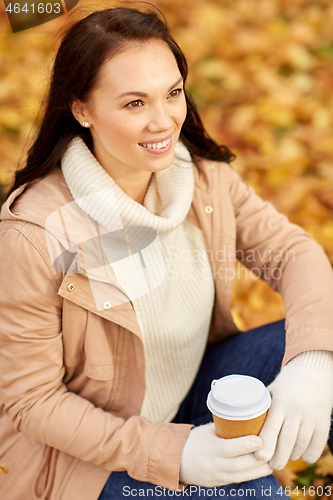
<point x="156" y="145"/>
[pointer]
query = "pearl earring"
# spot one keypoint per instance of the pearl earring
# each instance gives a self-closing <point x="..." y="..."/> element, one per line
<point x="85" y="124"/>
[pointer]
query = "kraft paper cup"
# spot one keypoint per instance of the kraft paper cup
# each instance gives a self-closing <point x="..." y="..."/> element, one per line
<point x="239" y="405"/>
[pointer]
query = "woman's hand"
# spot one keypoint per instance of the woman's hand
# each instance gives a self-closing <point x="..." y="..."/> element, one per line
<point x="210" y="461"/>
<point x="298" y="422"/>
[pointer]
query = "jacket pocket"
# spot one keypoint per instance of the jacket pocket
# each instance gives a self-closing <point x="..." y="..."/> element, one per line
<point x="91" y="340"/>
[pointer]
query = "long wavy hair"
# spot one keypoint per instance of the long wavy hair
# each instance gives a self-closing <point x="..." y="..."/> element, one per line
<point x="85" y="46"/>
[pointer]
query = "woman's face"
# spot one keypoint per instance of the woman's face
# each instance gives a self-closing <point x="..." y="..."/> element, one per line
<point x="137" y="111"/>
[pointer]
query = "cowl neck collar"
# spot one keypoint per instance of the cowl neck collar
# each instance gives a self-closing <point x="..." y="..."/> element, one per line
<point x="166" y="203"/>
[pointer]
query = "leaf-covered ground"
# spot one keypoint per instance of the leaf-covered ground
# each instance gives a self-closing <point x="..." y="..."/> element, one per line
<point x="261" y="72"/>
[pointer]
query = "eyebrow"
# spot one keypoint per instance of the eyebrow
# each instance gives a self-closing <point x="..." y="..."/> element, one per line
<point x="143" y="94"/>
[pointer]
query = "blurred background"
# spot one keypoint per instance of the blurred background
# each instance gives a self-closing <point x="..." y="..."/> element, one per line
<point x="261" y="72"/>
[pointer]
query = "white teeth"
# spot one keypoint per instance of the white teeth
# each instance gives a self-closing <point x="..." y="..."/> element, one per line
<point x="156" y="145"/>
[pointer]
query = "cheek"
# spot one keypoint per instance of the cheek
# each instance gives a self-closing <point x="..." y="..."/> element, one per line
<point x="182" y="113"/>
<point x="119" y="130"/>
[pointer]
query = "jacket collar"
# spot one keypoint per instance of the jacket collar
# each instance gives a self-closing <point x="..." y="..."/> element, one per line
<point x="39" y="201"/>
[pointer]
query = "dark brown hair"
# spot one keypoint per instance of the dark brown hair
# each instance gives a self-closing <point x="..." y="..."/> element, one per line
<point x="85" y="46"/>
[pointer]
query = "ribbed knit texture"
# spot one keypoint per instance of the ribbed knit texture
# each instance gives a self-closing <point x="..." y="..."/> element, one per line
<point x="174" y="316"/>
<point x="321" y="360"/>
<point x="174" y="186"/>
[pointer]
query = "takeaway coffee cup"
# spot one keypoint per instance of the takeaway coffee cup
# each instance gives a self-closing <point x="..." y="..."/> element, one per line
<point x="239" y="405"/>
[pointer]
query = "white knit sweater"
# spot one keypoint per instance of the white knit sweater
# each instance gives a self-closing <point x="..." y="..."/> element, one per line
<point x="174" y="316"/>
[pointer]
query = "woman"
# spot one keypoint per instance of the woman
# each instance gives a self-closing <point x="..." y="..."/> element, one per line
<point x="117" y="250"/>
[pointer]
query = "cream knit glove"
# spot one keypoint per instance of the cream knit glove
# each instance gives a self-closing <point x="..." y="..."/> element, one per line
<point x="298" y="422"/>
<point x="210" y="461"/>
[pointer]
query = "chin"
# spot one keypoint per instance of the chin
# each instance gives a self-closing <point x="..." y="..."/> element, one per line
<point x="163" y="165"/>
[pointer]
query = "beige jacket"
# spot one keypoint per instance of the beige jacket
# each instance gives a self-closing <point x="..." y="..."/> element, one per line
<point x="72" y="372"/>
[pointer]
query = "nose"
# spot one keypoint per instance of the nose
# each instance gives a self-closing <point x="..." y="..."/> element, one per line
<point x="160" y="119"/>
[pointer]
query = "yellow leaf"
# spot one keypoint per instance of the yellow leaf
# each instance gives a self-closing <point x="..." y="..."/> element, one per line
<point x="325" y="465"/>
<point x="297" y="465"/>
<point x="286" y="477"/>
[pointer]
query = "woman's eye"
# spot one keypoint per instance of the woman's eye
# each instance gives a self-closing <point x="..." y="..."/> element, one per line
<point x="175" y="93"/>
<point x="134" y="104"/>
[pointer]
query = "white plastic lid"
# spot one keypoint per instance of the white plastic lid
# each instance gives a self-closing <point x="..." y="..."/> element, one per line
<point x="238" y="397"/>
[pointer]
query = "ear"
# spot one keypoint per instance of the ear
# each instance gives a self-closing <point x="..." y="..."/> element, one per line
<point x="80" y="111"/>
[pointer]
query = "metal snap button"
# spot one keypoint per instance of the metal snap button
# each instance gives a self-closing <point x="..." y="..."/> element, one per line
<point x="3" y="469"/>
<point x="71" y="287"/>
<point x="107" y="305"/>
<point x="208" y="209"/>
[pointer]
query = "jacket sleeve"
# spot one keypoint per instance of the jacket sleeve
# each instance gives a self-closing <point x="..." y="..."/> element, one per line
<point x="292" y="263"/>
<point x="35" y="398"/>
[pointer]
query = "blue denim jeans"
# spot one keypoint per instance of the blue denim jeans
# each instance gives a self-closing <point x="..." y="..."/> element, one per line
<point x="258" y="353"/>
